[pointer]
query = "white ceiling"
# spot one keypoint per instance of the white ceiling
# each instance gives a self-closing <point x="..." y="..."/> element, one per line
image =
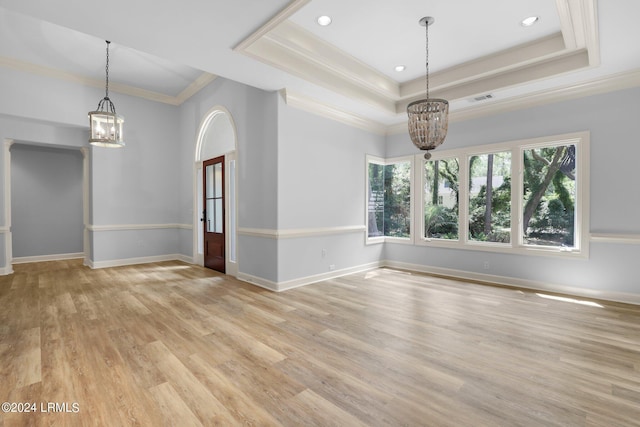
<point x="167" y="50"/>
<point x="384" y="35"/>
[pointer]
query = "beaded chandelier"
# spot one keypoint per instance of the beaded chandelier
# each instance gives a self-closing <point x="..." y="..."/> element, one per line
<point x="428" y="118"/>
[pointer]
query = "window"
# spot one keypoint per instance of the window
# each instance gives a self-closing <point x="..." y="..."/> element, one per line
<point x="375" y="209"/>
<point x="389" y="198"/>
<point x="490" y="197"/>
<point x="549" y="195"/>
<point x="524" y="196"/>
<point x="441" y="199"/>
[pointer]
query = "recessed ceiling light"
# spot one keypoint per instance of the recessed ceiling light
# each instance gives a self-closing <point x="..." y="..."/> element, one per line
<point x="324" y="20"/>
<point x="527" y="22"/>
<point x="400" y="68"/>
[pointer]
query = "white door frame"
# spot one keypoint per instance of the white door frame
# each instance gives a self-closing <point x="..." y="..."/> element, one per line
<point x="231" y="200"/>
<point x="8" y="237"/>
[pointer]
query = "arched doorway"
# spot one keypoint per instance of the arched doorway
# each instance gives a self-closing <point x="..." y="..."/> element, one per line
<point x="216" y="139"/>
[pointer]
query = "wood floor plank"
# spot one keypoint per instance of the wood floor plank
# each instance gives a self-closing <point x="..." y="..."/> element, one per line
<point x="244" y="409"/>
<point x="175" y="412"/>
<point x="192" y="392"/>
<point x="317" y="411"/>
<point x="144" y="371"/>
<point x="175" y="344"/>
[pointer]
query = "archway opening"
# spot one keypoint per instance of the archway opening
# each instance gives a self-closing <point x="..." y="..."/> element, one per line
<point x="216" y="137"/>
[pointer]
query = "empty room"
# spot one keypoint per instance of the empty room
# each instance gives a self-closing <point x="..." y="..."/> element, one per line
<point x="319" y="212"/>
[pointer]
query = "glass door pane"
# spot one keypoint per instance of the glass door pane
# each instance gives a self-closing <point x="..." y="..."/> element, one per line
<point x="210" y="216"/>
<point x="217" y="178"/>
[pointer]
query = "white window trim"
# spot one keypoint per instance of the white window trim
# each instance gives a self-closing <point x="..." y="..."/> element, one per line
<point x="581" y="233"/>
<point x="412" y="206"/>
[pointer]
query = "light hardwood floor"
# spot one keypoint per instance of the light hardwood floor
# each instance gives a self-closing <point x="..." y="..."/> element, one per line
<point x="175" y="344"/>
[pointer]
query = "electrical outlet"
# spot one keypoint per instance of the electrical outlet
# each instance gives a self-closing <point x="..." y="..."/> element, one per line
<point x="332" y="267"/>
<point x="485" y="265"/>
<point x="324" y="253"/>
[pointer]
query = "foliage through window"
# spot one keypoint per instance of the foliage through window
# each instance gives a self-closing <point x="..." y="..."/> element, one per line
<point x="389" y="199"/>
<point x="549" y="199"/>
<point x="490" y="197"/>
<point x="441" y="196"/>
<point x="526" y="196"/>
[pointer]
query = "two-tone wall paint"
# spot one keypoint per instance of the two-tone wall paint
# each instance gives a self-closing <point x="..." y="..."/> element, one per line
<point x="609" y="272"/>
<point x="301" y="185"/>
<point x="131" y="196"/>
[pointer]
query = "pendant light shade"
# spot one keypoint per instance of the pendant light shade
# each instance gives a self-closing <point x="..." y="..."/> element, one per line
<point x="428" y="122"/>
<point x="429" y="117"/>
<point x="105" y="125"/>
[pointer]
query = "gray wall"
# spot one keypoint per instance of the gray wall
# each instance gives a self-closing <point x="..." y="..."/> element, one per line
<point x="46" y="200"/>
<point x="298" y="171"/>
<point x="254" y="112"/>
<point x="137" y="185"/>
<point x="321" y="184"/>
<point x="23" y="129"/>
<point x="615" y="200"/>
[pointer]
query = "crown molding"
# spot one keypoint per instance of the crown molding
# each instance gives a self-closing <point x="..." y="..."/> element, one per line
<point x="601" y="85"/>
<point x="194" y="87"/>
<point x="321" y="54"/>
<point x="283" y="44"/>
<point x="560" y="64"/>
<point x="578" y="90"/>
<point x="526" y="55"/>
<point x="274" y="22"/>
<point x="28" y="67"/>
<point x="269" y="50"/>
<point x="313" y="106"/>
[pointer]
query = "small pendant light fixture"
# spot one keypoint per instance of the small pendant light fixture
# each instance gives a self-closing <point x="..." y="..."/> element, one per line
<point x="428" y="118"/>
<point x="105" y="125"/>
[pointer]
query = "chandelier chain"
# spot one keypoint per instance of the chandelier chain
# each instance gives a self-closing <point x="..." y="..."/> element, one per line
<point x="428" y="118"/>
<point x="427" y="58"/>
<point x="107" y="72"/>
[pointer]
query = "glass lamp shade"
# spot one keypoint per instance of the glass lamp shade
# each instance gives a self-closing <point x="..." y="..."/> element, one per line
<point x="428" y="123"/>
<point x="105" y="129"/>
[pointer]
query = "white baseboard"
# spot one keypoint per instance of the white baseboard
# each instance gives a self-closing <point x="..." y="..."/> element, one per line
<point x="296" y="283"/>
<point x="98" y="264"/>
<point x="624" y="297"/>
<point x="258" y="281"/>
<point x="628" y="298"/>
<point x="44" y="258"/>
<point x="184" y="258"/>
<point x="140" y="260"/>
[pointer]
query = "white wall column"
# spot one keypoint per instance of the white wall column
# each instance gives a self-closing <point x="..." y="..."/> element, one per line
<point x="8" y="242"/>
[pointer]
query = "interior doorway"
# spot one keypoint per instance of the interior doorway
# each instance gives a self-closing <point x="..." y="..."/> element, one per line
<point x="215" y="193"/>
<point x="46" y="237"/>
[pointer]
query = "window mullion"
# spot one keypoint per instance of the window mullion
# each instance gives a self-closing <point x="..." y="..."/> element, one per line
<point x="463" y="203"/>
<point x="416" y="200"/>
<point x="517" y="190"/>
